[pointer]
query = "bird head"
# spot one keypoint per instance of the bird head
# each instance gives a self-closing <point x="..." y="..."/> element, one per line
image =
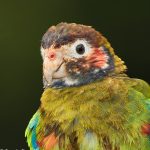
<point x="75" y="54"/>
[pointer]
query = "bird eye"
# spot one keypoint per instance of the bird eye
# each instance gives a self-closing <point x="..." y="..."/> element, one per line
<point x="80" y="49"/>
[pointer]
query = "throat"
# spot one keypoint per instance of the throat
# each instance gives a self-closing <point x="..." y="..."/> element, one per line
<point x="61" y="83"/>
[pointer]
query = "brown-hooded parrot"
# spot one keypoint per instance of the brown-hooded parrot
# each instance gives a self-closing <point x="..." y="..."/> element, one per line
<point x="89" y="102"/>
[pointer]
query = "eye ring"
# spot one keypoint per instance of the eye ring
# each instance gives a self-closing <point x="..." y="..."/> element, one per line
<point x="80" y="49"/>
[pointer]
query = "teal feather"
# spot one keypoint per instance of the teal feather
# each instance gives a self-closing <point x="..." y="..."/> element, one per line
<point x="31" y="132"/>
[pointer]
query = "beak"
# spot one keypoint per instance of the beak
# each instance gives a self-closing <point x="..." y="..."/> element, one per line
<point x="53" y="65"/>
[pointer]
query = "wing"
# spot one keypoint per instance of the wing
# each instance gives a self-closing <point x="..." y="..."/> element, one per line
<point x="144" y="88"/>
<point x="30" y="132"/>
<point x="37" y="138"/>
<point x="42" y="135"/>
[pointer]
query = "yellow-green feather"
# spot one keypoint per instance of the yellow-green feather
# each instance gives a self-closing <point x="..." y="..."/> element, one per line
<point x="114" y="108"/>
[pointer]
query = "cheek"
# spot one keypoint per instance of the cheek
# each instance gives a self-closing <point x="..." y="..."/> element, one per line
<point x="77" y="67"/>
<point x="98" y="58"/>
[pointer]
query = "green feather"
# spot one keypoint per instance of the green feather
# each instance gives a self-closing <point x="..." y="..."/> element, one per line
<point x="114" y="109"/>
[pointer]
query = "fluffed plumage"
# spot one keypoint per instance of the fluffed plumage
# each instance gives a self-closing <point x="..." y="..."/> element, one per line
<point x="106" y="111"/>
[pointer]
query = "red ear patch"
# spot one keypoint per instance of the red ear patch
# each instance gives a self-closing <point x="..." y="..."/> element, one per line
<point x="145" y="129"/>
<point x="98" y="58"/>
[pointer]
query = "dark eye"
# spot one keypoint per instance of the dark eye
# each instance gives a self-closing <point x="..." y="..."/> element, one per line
<point x="80" y="49"/>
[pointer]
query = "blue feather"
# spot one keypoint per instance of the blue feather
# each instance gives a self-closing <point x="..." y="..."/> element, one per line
<point x="34" y="139"/>
<point x="31" y="130"/>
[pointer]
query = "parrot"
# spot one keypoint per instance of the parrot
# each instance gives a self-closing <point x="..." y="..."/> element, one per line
<point x="88" y="101"/>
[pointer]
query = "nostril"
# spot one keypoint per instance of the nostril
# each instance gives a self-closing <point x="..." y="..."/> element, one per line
<point x="52" y="56"/>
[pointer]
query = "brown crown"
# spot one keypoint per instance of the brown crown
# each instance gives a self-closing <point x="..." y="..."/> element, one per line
<point x="65" y="33"/>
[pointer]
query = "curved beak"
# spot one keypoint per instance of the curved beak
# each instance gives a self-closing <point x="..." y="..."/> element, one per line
<point x="53" y="65"/>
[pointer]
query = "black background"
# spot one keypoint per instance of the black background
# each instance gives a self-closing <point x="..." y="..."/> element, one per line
<point x="22" y="23"/>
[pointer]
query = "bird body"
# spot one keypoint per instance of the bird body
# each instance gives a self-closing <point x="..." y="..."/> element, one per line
<point x="102" y="110"/>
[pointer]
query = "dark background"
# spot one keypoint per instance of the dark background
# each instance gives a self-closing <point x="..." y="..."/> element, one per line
<point x="22" y="23"/>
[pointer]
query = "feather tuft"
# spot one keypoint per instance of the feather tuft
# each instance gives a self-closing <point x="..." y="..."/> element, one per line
<point x="50" y="141"/>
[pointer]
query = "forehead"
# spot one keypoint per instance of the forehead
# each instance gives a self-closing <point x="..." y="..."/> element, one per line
<point x="64" y="33"/>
